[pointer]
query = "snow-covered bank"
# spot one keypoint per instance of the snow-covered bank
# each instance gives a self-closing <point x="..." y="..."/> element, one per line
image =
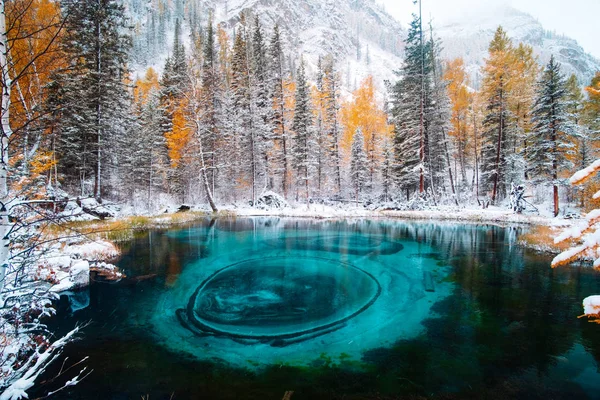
<point x="489" y="215"/>
<point x="67" y="266"/>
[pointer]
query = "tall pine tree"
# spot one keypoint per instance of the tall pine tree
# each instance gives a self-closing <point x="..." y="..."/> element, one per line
<point x="302" y="127"/>
<point x="96" y="100"/>
<point x="552" y="134"/>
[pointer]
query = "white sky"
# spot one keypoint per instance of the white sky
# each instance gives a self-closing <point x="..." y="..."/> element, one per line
<point x="578" y="19"/>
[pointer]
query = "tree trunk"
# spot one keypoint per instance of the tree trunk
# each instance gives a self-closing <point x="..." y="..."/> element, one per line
<point x="498" y="149"/>
<point x="450" y="170"/>
<point x="207" y="189"/>
<point x="6" y="133"/>
<point x="98" y="182"/>
<point x="204" y="176"/>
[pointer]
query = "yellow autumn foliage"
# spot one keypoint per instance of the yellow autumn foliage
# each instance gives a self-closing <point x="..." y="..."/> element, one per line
<point x="365" y="113"/>
<point x="179" y="137"/>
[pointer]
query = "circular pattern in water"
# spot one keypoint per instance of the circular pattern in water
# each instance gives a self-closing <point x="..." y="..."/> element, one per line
<point x="344" y="244"/>
<point x="281" y="300"/>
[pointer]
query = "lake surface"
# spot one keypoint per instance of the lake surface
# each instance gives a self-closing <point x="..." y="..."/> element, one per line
<point x="253" y="308"/>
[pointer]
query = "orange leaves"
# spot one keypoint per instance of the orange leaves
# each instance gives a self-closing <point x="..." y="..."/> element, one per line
<point x="32" y="35"/>
<point x="179" y="137"/>
<point x="592" y="104"/>
<point x="143" y="87"/>
<point x="364" y="112"/>
<point x="459" y="94"/>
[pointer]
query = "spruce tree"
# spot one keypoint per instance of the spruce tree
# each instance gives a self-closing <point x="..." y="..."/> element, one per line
<point x="302" y="127"/>
<point x="331" y="95"/>
<point x="96" y="100"/>
<point x="261" y="108"/>
<point x="277" y="116"/>
<point x="575" y="110"/>
<point x="210" y="106"/>
<point x="358" y="163"/>
<point x="409" y="98"/>
<point x="551" y="138"/>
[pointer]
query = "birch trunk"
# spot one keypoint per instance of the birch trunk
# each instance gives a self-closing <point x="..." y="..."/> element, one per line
<point x="6" y="133"/>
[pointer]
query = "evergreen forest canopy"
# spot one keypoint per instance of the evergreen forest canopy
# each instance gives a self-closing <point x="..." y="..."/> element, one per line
<point x="234" y="113"/>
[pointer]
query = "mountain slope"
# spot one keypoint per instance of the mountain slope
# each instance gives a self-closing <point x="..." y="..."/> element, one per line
<point x="469" y="38"/>
<point x="363" y="39"/>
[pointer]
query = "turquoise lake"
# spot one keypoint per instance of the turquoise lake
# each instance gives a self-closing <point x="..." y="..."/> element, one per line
<point x="252" y="308"/>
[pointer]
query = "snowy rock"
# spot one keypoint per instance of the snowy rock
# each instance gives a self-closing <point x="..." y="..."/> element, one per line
<point x="80" y="273"/>
<point x="591" y="305"/>
<point x="271" y="200"/>
<point x="77" y="300"/>
<point x="92" y="207"/>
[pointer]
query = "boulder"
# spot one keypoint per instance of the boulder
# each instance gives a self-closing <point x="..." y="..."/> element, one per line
<point x="271" y="200"/>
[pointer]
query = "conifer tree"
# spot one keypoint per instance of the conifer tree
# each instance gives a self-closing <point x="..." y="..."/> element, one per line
<point x="331" y="95"/>
<point x="387" y="169"/>
<point x="409" y="98"/>
<point x="261" y="108"/>
<point x="302" y="127"/>
<point x="277" y="117"/>
<point x="210" y="106"/>
<point x="244" y="95"/>
<point x="96" y="101"/>
<point x="174" y="85"/>
<point x="551" y="137"/>
<point x="321" y="148"/>
<point x="437" y="114"/>
<point x="358" y="163"/>
<point x="575" y="108"/>
<point x="522" y="92"/>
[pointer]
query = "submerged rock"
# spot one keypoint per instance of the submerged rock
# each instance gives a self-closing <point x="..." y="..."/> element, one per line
<point x="280" y="300"/>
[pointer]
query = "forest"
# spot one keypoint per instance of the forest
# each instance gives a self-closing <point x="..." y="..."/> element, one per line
<point x="233" y="114"/>
<point x="102" y="106"/>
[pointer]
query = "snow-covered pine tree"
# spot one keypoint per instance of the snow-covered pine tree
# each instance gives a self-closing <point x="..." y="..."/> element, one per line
<point x="302" y="127"/>
<point x="279" y="128"/>
<point x="144" y="160"/>
<point x="173" y="86"/>
<point x="210" y="108"/>
<point x="321" y="150"/>
<point x="409" y="98"/>
<point x="261" y="107"/>
<point x="522" y="93"/>
<point x="331" y="96"/>
<point x="551" y="139"/>
<point x="438" y="125"/>
<point x="359" y="170"/>
<point x="387" y="170"/>
<point x="96" y="100"/>
<point x="244" y="108"/>
<point x="574" y="106"/>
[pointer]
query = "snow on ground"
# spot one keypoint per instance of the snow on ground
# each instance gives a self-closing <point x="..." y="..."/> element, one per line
<point x="489" y="215"/>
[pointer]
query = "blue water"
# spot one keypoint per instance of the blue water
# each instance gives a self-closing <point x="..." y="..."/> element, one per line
<point x="252" y="308"/>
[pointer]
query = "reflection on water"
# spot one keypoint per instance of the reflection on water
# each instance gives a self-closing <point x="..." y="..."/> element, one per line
<point x="499" y="324"/>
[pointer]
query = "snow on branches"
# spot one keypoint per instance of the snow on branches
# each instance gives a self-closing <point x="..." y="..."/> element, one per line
<point x="586" y="239"/>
